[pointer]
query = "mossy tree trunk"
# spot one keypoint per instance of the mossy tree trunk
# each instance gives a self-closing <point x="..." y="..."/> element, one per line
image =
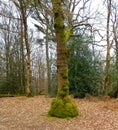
<point x="62" y="106"/>
<point x="62" y="65"/>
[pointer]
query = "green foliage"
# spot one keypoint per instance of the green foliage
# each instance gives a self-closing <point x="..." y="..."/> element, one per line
<point x="112" y="91"/>
<point x="9" y="86"/>
<point x="84" y="69"/>
<point x="63" y="108"/>
<point x="80" y="94"/>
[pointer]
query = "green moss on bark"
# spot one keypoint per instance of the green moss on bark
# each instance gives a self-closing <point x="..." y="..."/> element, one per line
<point x="64" y="90"/>
<point x="65" y="74"/>
<point x="67" y="34"/>
<point x="63" y="108"/>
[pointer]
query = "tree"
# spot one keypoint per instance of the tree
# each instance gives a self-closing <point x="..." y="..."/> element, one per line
<point x="43" y="14"/>
<point x="62" y="106"/>
<point x="109" y="45"/>
<point x="111" y="39"/>
<point x="114" y="24"/>
<point x="84" y="68"/>
<point x="11" y="54"/>
<point x="116" y="46"/>
<point x="45" y="27"/>
<point x="23" y="5"/>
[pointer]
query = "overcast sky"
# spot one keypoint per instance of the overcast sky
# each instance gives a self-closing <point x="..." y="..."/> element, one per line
<point x="95" y="5"/>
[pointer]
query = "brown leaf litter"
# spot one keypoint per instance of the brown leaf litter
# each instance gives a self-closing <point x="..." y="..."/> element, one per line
<point x="22" y="113"/>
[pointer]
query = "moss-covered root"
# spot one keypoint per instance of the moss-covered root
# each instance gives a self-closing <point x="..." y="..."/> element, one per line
<point x="63" y="108"/>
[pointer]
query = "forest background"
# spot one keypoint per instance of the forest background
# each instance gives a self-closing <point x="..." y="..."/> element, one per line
<point x="28" y="47"/>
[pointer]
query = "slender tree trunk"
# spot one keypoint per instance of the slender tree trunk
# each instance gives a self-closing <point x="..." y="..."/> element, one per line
<point x="47" y="57"/>
<point x="117" y="67"/>
<point x="28" y="62"/>
<point x="116" y="44"/>
<point x="7" y="53"/>
<point x="22" y="57"/>
<point x="107" y="78"/>
<point x="28" y="69"/>
<point x="7" y="58"/>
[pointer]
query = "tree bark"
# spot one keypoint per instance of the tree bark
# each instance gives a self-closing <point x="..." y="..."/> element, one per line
<point x="47" y="57"/>
<point x="107" y="78"/>
<point x="116" y="45"/>
<point x="62" y="64"/>
<point x="62" y="106"/>
<point x="117" y="67"/>
<point x="28" y="69"/>
<point x="22" y="59"/>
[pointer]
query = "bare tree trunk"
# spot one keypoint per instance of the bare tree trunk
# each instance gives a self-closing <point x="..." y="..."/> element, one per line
<point x="22" y="58"/>
<point x="116" y="44"/>
<point x="47" y="57"/>
<point x="28" y="69"/>
<point x="117" y="66"/>
<point x="107" y="78"/>
<point x="7" y="53"/>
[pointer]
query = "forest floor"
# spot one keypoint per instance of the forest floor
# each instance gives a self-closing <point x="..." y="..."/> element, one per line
<point x="22" y="113"/>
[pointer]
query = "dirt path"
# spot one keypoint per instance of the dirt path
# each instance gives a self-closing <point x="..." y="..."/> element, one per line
<point x="22" y="113"/>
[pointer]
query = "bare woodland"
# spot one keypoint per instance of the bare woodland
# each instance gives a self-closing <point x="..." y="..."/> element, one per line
<point x="58" y="48"/>
<point x="32" y="51"/>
